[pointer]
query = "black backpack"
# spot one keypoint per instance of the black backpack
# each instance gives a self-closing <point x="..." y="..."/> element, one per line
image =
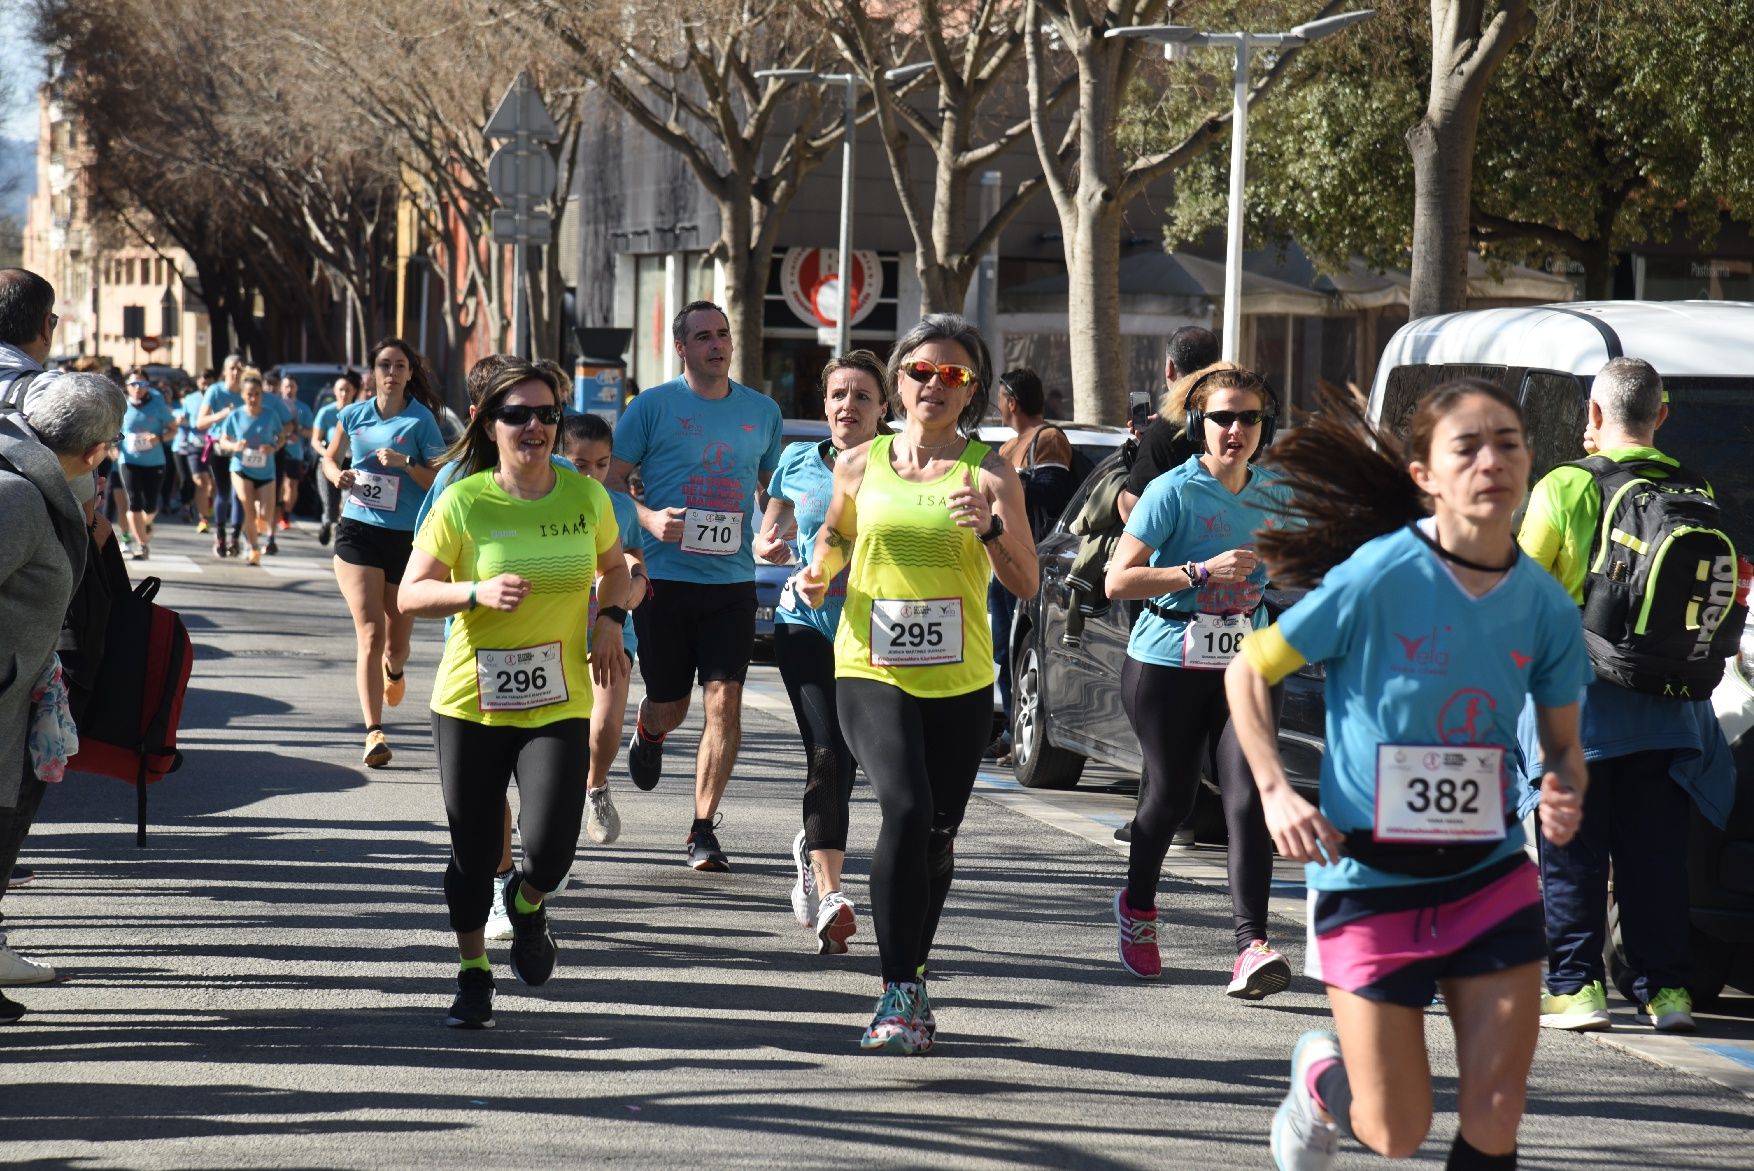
<point x="1660" y="606"/>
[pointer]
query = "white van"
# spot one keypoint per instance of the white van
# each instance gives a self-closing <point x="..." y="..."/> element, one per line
<point x="1548" y="355"/>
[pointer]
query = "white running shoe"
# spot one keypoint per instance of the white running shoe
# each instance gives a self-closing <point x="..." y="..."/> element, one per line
<point x="499" y="925"/>
<point x="602" y="823"/>
<point x="835" y="924"/>
<point x="804" y="889"/>
<point x="16" y="970"/>
<point x="1302" y="1138"/>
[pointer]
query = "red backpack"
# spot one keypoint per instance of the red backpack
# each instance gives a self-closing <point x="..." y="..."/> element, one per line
<point x="129" y="730"/>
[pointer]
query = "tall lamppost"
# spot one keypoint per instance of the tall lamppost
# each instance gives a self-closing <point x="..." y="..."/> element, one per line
<point x="849" y="86"/>
<point x="1170" y="36"/>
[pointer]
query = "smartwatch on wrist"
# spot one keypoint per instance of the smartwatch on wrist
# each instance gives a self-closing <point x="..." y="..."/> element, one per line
<point x="993" y="533"/>
<point x="615" y="614"/>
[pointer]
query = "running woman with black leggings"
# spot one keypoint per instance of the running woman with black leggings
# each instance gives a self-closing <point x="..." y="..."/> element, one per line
<point x="803" y="641"/>
<point x="925" y="517"/>
<point x="513" y="548"/>
<point x="1433" y="630"/>
<point x="1189" y="551"/>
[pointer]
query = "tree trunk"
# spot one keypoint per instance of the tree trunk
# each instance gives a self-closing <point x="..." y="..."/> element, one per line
<point x="1443" y="184"/>
<point x="1093" y="313"/>
<point x="746" y="271"/>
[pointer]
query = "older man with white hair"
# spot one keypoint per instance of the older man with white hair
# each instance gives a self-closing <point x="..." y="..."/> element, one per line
<point x="47" y="453"/>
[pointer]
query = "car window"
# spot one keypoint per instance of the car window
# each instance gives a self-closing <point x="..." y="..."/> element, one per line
<point x="1553" y="410"/>
<point x="1710" y="429"/>
<point x="1408" y="384"/>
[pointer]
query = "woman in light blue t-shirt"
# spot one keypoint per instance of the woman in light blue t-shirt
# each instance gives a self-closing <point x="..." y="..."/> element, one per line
<point x="1433" y="632"/>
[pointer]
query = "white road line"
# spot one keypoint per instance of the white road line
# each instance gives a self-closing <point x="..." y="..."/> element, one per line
<point x="162" y="563"/>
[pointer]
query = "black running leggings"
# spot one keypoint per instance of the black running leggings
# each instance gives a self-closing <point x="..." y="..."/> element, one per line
<point x="806" y="663"/>
<point x="476" y="763"/>
<point x="1183" y="721"/>
<point x="921" y="756"/>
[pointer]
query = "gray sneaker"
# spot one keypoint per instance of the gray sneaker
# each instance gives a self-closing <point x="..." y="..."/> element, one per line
<point x="1303" y="1139"/>
<point x="602" y="823"/>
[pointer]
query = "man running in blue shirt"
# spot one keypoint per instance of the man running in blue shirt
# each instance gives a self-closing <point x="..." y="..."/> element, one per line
<point x="703" y="445"/>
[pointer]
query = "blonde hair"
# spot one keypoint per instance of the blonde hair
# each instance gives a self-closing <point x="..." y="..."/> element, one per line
<point x="250" y="374"/>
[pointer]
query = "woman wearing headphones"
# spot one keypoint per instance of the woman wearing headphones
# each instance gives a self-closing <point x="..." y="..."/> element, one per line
<point x="1188" y="550"/>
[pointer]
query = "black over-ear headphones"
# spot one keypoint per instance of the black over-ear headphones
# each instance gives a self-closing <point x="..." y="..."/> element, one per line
<point x="1196" y="422"/>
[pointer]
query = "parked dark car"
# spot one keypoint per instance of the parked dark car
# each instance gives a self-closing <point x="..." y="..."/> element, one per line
<point x="1066" y="701"/>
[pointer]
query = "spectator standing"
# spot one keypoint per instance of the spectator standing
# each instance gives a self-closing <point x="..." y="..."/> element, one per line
<point x="1645" y="752"/>
<point x="1165" y="443"/>
<point x="47" y="453"/>
<point x="27" y="330"/>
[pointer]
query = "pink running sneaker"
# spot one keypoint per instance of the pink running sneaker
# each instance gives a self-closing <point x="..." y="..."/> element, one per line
<point x="1259" y="973"/>
<point x="1138" y="941"/>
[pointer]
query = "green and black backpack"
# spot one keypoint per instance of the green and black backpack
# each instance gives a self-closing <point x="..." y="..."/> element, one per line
<point x="1660" y="607"/>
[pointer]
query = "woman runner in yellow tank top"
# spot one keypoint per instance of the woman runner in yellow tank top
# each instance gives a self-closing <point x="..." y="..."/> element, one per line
<point x="925" y="517"/>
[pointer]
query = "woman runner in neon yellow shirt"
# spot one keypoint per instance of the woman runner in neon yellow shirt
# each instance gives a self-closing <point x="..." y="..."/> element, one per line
<point x="926" y="517"/>
<point x="512" y="548"/>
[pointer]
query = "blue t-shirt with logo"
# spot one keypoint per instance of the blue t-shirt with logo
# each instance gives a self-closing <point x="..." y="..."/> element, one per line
<point x="153" y="417"/>
<point x="701" y="453"/>
<point x="1187" y="515"/>
<point x="261" y="430"/>
<point x="188" y="439"/>
<point x="296" y="447"/>
<point x="807" y="483"/>
<point x="1413" y="659"/>
<point x="633" y="540"/>
<point x="414" y="433"/>
<point x="325" y="422"/>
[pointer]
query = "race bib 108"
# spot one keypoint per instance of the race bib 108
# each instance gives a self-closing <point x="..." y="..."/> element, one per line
<point x="1212" y="640"/>
<point x="916" y="633"/>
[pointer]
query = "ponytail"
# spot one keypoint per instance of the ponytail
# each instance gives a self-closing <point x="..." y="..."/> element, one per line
<point x="1349" y="481"/>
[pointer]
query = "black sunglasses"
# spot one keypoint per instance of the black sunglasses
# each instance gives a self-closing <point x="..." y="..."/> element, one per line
<point x="1227" y="418"/>
<point x="519" y="415"/>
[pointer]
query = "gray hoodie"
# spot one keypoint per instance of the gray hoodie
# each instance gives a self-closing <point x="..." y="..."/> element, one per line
<point x="18" y="370"/>
<point x="42" y="555"/>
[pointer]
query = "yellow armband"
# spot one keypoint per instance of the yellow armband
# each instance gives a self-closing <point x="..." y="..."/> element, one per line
<point x="1270" y="655"/>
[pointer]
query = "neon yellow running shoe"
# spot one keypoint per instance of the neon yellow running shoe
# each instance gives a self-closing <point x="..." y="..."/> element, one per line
<point x="1670" y="1010"/>
<point x="1585" y="1010"/>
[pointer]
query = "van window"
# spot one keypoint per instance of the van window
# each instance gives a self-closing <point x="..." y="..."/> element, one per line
<point x="1553" y="410"/>
<point x="1408" y="384"/>
<point x="1710" y="429"/>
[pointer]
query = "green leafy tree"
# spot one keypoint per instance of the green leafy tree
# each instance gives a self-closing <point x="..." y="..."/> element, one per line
<point x="1612" y="125"/>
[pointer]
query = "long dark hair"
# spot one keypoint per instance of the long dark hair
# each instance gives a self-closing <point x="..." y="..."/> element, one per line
<point x="1349" y="480"/>
<point x="419" y="387"/>
<point x="476" y="449"/>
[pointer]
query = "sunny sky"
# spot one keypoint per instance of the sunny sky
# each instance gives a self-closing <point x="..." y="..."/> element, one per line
<point x="22" y="67"/>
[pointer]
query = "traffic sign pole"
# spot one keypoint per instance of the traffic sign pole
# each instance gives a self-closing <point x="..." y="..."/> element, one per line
<point x="523" y="175"/>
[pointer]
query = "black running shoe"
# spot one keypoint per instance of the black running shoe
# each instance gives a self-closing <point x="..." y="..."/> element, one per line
<point x="21" y="876"/>
<point x="273" y="549"/>
<point x="1124" y="833"/>
<point x="219" y="545"/>
<point x="323" y="533"/>
<point x="473" y="1008"/>
<point x="645" y="759"/>
<point x="532" y="943"/>
<point x="10" y="1010"/>
<point x="704" y="852"/>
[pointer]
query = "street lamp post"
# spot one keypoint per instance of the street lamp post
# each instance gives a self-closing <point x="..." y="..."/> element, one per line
<point x="1172" y="35"/>
<point x="849" y="84"/>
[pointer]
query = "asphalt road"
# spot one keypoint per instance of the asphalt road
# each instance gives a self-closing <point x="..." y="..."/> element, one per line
<point x="263" y="984"/>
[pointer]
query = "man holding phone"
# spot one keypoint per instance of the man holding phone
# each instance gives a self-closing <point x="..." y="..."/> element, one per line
<point x="1162" y="445"/>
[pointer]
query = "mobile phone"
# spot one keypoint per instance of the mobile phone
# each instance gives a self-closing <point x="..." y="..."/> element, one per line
<point x="1139" y="403"/>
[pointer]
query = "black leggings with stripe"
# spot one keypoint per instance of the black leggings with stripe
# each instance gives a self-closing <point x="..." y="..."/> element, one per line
<point x="921" y="756"/>
<point x="806" y="663"/>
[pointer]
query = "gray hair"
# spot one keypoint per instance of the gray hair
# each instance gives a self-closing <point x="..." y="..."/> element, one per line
<point x="232" y="360"/>
<point x="946" y="327"/>
<point x="72" y="412"/>
<point x="1630" y="393"/>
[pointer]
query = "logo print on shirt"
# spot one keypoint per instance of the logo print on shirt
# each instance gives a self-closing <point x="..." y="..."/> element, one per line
<point x="688" y="426"/>
<point x="1424" y="653"/>
<point x="717" y="458"/>
<point x="1216" y="525"/>
<point x="1466" y="717"/>
<point x="1521" y="660"/>
<point x="748" y="427"/>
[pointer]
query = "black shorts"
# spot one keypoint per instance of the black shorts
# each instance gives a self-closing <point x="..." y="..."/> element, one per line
<point x="375" y="547"/>
<point x="689" y="631"/>
<point x="142" y="484"/>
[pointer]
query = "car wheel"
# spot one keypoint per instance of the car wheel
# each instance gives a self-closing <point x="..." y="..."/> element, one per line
<point x="1038" y="763"/>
